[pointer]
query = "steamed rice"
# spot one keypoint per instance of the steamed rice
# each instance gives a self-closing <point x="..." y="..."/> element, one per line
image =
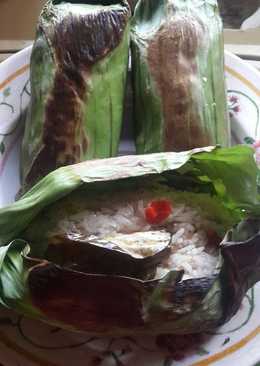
<point x="188" y="228"/>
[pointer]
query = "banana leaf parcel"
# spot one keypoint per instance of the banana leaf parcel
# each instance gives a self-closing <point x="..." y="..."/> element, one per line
<point x="178" y="76"/>
<point x="79" y="67"/>
<point x="109" y="258"/>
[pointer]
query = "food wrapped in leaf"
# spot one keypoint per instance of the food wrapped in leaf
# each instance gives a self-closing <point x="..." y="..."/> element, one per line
<point x="135" y="245"/>
<point x="79" y="67"/>
<point x="178" y="72"/>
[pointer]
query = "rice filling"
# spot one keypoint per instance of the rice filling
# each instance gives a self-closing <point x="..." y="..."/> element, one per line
<point x="134" y="227"/>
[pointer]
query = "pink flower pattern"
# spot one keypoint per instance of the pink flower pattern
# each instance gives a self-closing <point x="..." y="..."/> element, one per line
<point x="234" y="104"/>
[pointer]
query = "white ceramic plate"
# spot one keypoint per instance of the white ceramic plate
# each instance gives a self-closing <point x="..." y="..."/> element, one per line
<point x="26" y="343"/>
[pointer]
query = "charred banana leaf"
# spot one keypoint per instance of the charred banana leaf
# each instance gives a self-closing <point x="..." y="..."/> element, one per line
<point x="178" y="72"/>
<point x="102" y="286"/>
<point x="79" y="67"/>
<point x="132" y="4"/>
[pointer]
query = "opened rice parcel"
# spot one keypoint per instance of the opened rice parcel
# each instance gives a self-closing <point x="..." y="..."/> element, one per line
<point x="149" y="244"/>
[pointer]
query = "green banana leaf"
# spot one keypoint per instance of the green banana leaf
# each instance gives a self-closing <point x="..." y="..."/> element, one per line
<point x="87" y="286"/>
<point x="178" y="76"/>
<point x="78" y="77"/>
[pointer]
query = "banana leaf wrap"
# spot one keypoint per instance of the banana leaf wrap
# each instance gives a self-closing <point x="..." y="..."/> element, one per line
<point x="78" y="77"/>
<point x="178" y="76"/>
<point x="114" y="299"/>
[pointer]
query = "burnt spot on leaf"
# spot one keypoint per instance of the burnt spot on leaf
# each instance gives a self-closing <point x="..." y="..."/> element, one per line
<point x="78" y="42"/>
<point x="192" y="292"/>
<point x="63" y="134"/>
<point x="88" y="302"/>
<point x="182" y="297"/>
<point x="175" y="77"/>
<point x="81" y="41"/>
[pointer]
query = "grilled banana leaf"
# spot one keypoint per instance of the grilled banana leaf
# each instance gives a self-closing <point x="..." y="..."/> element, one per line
<point x="178" y="76"/>
<point x="37" y="279"/>
<point x="132" y="4"/>
<point x="78" y="76"/>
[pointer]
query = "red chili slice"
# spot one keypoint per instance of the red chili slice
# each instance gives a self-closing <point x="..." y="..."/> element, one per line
<point x="158" y="211"/>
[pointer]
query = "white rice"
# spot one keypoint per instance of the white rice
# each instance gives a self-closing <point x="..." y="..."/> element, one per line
<point x="186" y="224"/>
